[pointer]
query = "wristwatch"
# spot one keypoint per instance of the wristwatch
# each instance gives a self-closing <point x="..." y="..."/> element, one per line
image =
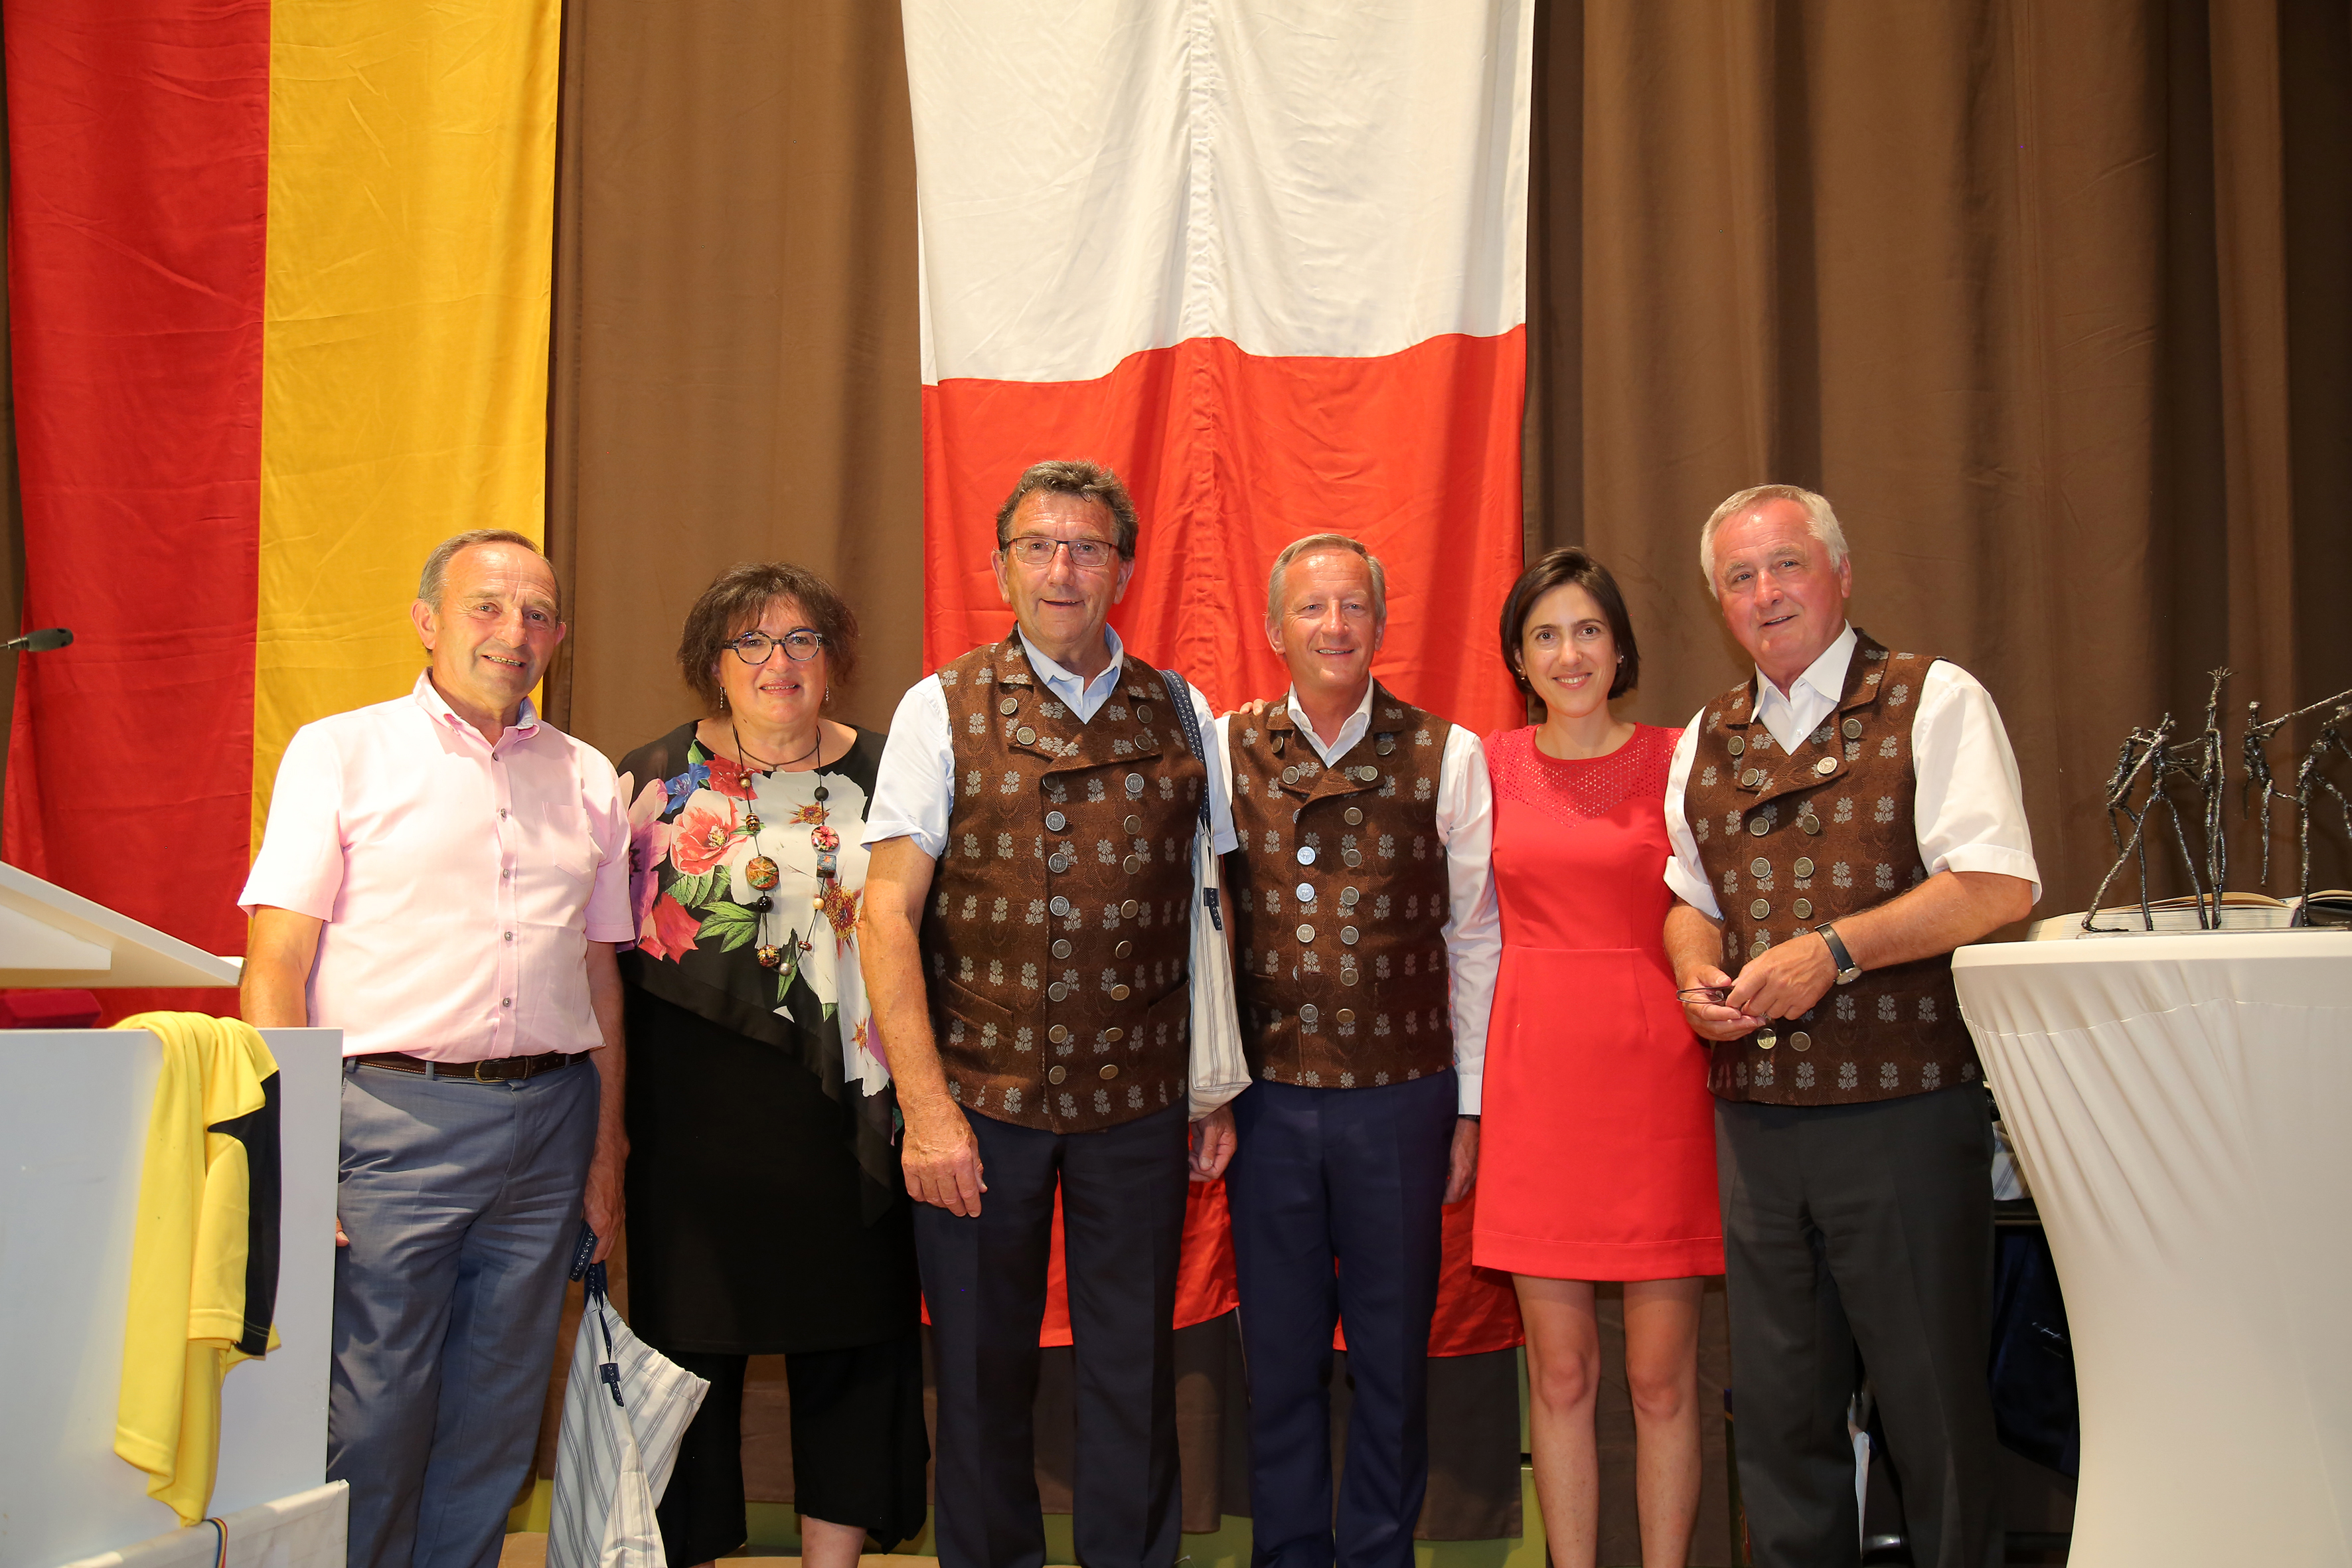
<point x="1848" y="971"/>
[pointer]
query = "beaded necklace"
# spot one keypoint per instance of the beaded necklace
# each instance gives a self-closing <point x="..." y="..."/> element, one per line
<point x="760" y="872"/>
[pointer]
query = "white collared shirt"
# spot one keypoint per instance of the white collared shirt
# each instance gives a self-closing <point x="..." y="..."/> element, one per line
<point x="914" y="785"/>
<point x="1465" y="827"/>
<point x="1968" y="805"/>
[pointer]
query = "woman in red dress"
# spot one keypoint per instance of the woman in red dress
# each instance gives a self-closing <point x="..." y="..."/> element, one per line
<point x="1599" y="1135"/>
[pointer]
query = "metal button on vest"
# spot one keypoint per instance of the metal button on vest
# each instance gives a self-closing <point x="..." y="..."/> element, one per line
<point x="1133" y="825"/>
<point x="1058" y="861"/>
<point x="1306" y="854"/>
<point x="1062" y="947"/>
<point x="1804" y="865"/>
<point x="1368" y="772"/>
<point x="1057" y="991"/>
<point x="1353" y="816"/>
<point x="1811" y="824"/>
<point x="1756" y="949"/>
<point x="1347" y="897"/>
<point x="1110" y="1069"/>
<point x="1352" y="857"/>
<point x="1801" y="1041"/>
<point x="1059" y="1034"/>
<point x="1761" y="908"/>
<point x="1025" y="735"/>
<point x="1143" y="713"/>
<point x="1802" y="909"/>
<point x="1766" y="1039"/>
<point x="1119" y="993"/>
<point x="1305" y="892"/>
<point x="1851" y="728"/>
<point x="1735" y="745"/>
<point x="1122" y="950"/>
<point x="1758" y="827"/>
<point x="1055" y="822"/>
<point x="1126" y="910"/>
<point x="1752" y="778"/>
<point x="1345" y="1014"/>
<point x="1290" y="775"/>
<point x="1009" y="707"/>
<point x="1131" y="865"/>
<point x="1060" y="906"/>
<point x="1385" y="744"/>
<point x="1347" y="977"/>
<point x="1826" y="766"/>
<point x="1349" y="934"/>
<point x="1135" y="783"/>
<point x="1308" y="1013"/>
<point x="1759" y="867"/>
<point x="1112" y="1036"/>
<point x="1306" y="934"/>
<point x="1056" y="1074"/>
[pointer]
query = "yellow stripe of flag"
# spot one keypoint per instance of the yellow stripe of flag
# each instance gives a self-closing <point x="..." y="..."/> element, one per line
<point x="412" y="207"/>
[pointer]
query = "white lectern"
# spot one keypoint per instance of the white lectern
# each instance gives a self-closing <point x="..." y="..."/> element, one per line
<point x="2182" y="1106"/>
<point x="74" y="1106"/>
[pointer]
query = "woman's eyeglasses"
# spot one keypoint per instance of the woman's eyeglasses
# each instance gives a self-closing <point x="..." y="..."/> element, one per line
<point x="801" y="644"/>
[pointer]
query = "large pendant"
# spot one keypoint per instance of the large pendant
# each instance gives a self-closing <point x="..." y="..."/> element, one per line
<point x="825" y="838"/>
<point x="771" y="957"/>
<point x="760" y="872"/>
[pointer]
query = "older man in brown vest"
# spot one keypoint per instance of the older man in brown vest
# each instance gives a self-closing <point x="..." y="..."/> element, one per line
<point x="1027" y="926"/>
<point x="1366" y="943"/>
<point x="1841" y="824"/>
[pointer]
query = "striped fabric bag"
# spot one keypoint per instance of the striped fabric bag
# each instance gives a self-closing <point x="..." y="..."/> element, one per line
<point x="626" y="1409"/>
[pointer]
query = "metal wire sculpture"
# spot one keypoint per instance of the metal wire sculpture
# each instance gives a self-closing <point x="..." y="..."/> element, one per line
<point x="2153" y="775"/>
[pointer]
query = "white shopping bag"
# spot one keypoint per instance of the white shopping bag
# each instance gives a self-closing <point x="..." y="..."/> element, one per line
<point x="1217" y="1070"/>
<point x="626" y="1409"/>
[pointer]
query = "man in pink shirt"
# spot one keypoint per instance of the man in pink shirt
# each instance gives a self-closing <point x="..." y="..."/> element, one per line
<point x="445" y="879"/>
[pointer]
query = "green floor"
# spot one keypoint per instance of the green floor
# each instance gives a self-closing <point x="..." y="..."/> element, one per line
<point x="776" y="1532"/>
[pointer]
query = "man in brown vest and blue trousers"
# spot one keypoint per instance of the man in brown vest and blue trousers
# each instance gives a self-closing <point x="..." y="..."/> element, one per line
<point x="1840" y="825"/>
<point x="1027" y="927"/>
<point x="1366" y="941"/>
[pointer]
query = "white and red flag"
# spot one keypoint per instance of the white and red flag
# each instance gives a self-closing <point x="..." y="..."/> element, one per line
<point x="1267" y="259"/>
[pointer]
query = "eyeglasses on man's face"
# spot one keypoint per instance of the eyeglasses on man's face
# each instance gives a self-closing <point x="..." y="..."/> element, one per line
<point x="1036" y="550"/>
<point x="801" y="644"/>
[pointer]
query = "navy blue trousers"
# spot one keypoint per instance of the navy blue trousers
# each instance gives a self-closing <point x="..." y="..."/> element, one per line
<point x="1123" y="1197"/>
<point x="1353" y="1178"/>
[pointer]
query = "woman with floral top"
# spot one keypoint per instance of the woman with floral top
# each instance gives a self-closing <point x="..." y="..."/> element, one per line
<point x="765" y="1211"/>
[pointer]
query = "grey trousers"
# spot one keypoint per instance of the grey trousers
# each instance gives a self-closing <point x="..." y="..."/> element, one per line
<point x="1861" y="1227"/>
<point x="462" y="1203"/>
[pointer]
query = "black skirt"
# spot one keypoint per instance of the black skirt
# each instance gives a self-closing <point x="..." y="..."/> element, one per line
<point x="747" y="1233"/>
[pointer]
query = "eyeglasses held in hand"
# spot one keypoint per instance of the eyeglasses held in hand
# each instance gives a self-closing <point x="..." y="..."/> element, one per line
<point x="800" y="645"/>
<point x="1718" y="995"/>
<point x="1036" y="550"/>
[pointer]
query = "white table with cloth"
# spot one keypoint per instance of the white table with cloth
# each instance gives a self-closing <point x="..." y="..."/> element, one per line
<point x="2182" y="1108"/>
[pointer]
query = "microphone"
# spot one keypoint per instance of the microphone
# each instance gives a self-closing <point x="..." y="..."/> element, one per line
<point x="39" y="642"/>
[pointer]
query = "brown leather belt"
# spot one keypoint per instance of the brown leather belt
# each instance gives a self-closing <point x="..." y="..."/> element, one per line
<point x="497" y="1069"/>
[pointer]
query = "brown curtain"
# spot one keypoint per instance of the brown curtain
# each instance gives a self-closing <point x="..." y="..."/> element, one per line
<point x="734" y="356"/>
<point x="2050" y="299"/>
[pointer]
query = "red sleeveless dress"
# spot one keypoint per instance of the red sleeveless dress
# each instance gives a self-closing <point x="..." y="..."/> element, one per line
<point x="1596" y="1157"/>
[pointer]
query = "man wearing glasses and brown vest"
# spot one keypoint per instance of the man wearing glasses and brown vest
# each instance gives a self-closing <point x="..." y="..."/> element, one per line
<point x="1366" y="944"/>
<point x="1027" y="927"/>
<point x="1840" y="825"/>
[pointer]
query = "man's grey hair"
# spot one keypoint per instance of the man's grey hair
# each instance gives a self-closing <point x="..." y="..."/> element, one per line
<point x="1820" y="520"/>
<point x="1073" y="477"/>
<point x="1318" y="545"/>
<point x="435" y="576"/>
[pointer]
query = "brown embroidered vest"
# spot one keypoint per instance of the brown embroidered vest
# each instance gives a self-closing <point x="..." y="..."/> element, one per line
<point x="1057" y="933"/>
<point x="1790" y="841"/>
<point x="1340" y="899"/>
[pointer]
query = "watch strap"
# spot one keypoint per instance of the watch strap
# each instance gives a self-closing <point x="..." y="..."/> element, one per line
<point x="1848" y="971"/>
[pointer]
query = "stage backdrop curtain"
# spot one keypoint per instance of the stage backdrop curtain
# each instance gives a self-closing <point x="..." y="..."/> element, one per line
<point x="279" y="284"/>
<point x="2050" y="301"/>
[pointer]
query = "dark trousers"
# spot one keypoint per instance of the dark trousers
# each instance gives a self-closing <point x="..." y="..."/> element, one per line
<point x="1861" y="1227"/>
<point x="1123" y="1195"/>
<point x="858" y="1449"/>
<point x="1353" y="1178"/>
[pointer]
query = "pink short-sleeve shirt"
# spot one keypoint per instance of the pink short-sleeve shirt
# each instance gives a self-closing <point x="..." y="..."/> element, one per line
<point x="460" y="882"/>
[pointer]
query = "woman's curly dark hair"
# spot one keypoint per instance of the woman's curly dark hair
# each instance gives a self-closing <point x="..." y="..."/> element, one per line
<point x="733" y="605"/>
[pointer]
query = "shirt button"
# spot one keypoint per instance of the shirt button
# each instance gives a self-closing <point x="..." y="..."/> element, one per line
<point x="502" y="812"/>
<point x="511" y="936"/>
<point x="505" y="875"/>
<point x="505" y="1001"/>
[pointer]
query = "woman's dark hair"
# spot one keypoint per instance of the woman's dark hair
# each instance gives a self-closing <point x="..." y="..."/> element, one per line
<point x="734" y="603"/>
<point x="1556" y="567"/>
